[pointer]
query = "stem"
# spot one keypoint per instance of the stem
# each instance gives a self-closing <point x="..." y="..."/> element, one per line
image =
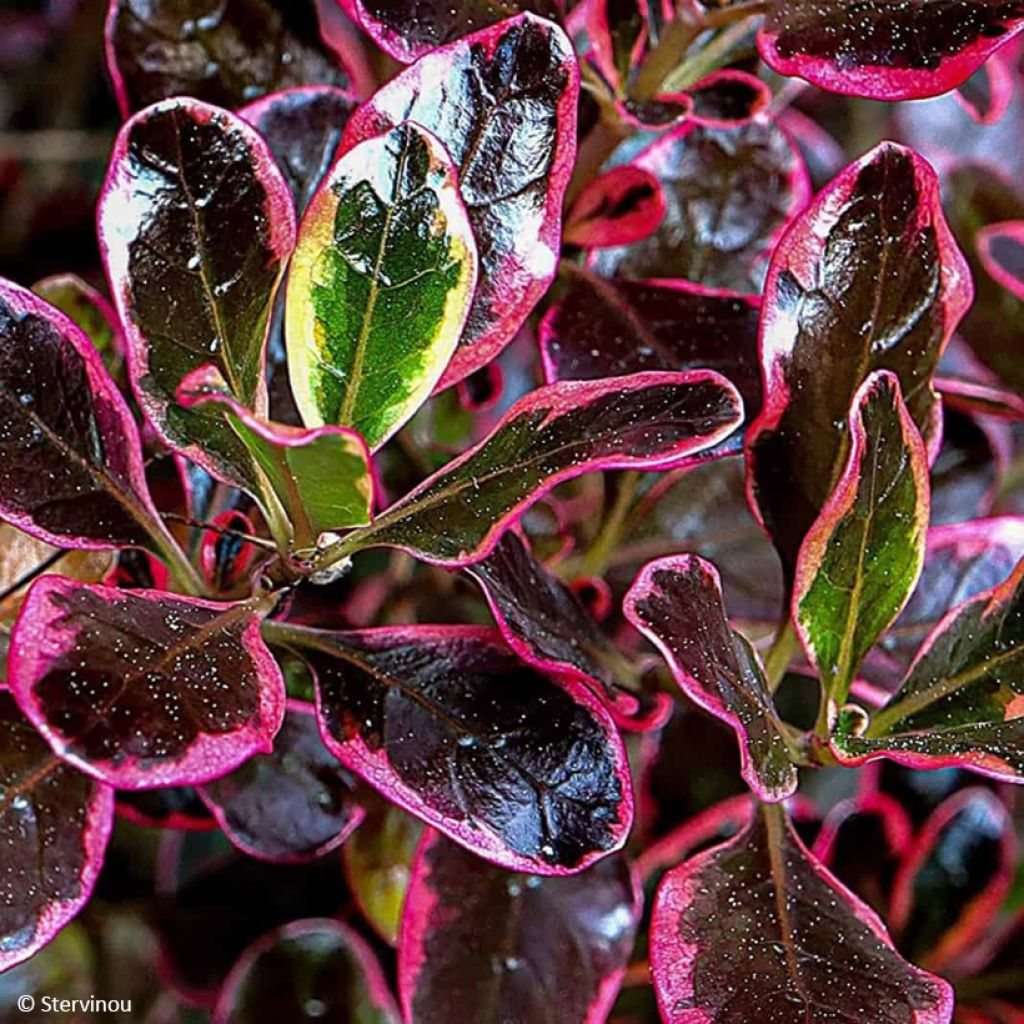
<point x="708" y="59"/>
<point x="784" y="647"/>
<point x="677" y="38"/>
<point x="737" y="12"/>
<point x="183" y="571"/>
<point x="596" y="559"/>
<point x="597" y="147"/>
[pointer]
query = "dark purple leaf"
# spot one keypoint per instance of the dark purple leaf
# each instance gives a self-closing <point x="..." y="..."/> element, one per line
<point x="620" y="206"/>
<point x="729" y="97"/>
<point x="228" y="52"/>
<point x="868" y="278"/>
<point x="54" y="824"/>
<point x="173" y="807"/>
<point x="757" y="930"/>
<point x="987" y="94"/>
<point x="503" y="103"/>
<point x="295" y="803"/>
<point x="316" y="969"/>
<point x="144" y="688"/>
<point x="729" y="192"/>
<point x="968" y="386"/>
<point x="446" y="722"/>
<point x="481" y="944"/>
<point x="1001" y="247"/>
<point x="966" y="476"/>
<point x="886" y="51"/>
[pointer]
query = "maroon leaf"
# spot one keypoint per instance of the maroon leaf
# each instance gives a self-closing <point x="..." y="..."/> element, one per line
<point x="987" y="94"/>
<point x="677" y="604"/>
<point x="757" y="930"/>
<point x="954" y="878"/>
<point x="143" y="688"/>
<point x="227" y="53"/>
<point x="886" y="51"/>
<point x="604" y="328"/>
<point x="1001" y="247"/>
<point x="435" y="718"/>
<point x="729" y="97"/>
<point x="316" y="968"/>
<point x="868" y="278"/>
<point x="621" y="206"/>
<point x="966" y="476"/>
<point x="295" y="803"/>
<point x="196" y="222"/>
<point x="968" y="386"/>
<point x="503" y="103"/>
<point x="71" y="469"/>
<point x="480" y="944"/>
<point x="54" y="824"/>
<point x="729" y="192"/>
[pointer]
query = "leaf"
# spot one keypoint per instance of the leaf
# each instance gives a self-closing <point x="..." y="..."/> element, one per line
<point x="503" y="104"/>
<point x="71" y="472"/>
<point x="195" y="223"/>
<point x="87" y="308"/>
<point x="407" y="30"/>
<point x="621" y="34"/>
<point x="312" y="965"/>
<point x="54" y="824"/>
<point x="729" y="97"/>
<point x="433" y="717"/>
<point x="143" y="688"/>
<point x="676" y="603"/>
<point x="968" y="473"/>
<point x="378" y="864"/>
<point x="729" y="192"/>
<point x="321" y="477"/>
<point x="295" y="803"/>
<point x="988" y="93"/>
<point x="380" y="284"/>
<point x="552" y="434"/>
<point x="227" y="53"/>
<point x="968" y="386"/>
<point x="868" y="278"/>
<point x="962" y="702"/>
<point x="174" y="807"/>
<point x="886" y="51"/>
<point x="756" y="929"/>
<point x="955" y="878"/>
<point x="621" y="206"/>
<point x="1001" y="248"/>
<point x="480" y="944"/>
<point x="604" y="328"/>
<point x="862" y="557"/>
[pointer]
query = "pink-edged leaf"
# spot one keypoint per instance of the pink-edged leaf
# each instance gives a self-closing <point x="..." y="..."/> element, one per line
<point x="70" y="455"/>
<point x="295" y="803"/>
<point x="54" y="824"/>
<point x="196" y="222"/>
<point x="677" y="604"/>
<point x="173" y="807"/>
<point x="310" y="969"/>
<point x="503" y="103"/>
<point x="602" y="328"/>
<point x="729" y="97"/>
<point x="143" y="688"/>
<point x="962" y="702"/>
<point x="619" y="207"/>
<point x="481" y="944"/>
<point x="967" y="475"/>
<point x="886" y="51"/>
<point x="225" y="53"/>
<point x="621" y="33"/>
<point x="90" y="310"/>
<point x="1001" y="247"/>
<point x="862" y="556"/>
<point x="446" y="722"/>
<point x="867" y="278"/>
<point x="954" y="878"/>
<point x="225" y="557"/>
<point x="409" y="29"/>
<point x="757" y="930"/>
<point x="729" y="192"/>
<point x="968" y="386"/>
<point x="987" y="94"/>
<point x="553" y="434"/>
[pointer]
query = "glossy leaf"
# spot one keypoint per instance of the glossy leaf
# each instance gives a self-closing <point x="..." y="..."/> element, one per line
<point x="503" y="104"/>
<point x="621" y="206"/>
<point x="677" y="604"/>
<point x="54" y="823"/>
<point x="886" y="51"/>
<point x="71" y="472"/>
<point x="555" y="433"/>
<point x="603" y="328"/>
<point x="195" y="223"/>
<point x="481" y="944"/>
<point x="756" y="929"/>
<point x="868" y="278"/>
<point x="962" y="702"/>
<point x="380" y="284"/>
<point x="293" y="804"/>
<point x="861" y="558"/>
<point x="144" y="688"/>
<point x="432" y="717"/>
<point x="225" y="53"/>
<point x="1001" y="247"/>
<point x="729" y="191"/>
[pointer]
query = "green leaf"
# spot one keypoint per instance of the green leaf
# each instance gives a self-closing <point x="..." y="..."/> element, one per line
<point x="861" y="559"/>
<point x="380" y="285"/>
